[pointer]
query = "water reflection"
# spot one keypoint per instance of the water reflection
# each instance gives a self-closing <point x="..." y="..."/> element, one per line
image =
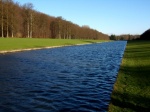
<point x="78" y="78"/>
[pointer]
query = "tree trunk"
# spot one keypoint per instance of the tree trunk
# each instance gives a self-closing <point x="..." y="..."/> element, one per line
<point x="28" y="29"/>
<point x="31" y="26"/>
<point x="7" y="26"/>
<point x="7" y="32"/>
<point x="12" y="31"/>
<point x="2" y="25"/>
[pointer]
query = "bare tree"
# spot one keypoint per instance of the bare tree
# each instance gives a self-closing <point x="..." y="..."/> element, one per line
<point x="12" y="20"/>
<point x="7" y="12"/>
<point x="23" y="21"/>
<point x="2" y="24"/>
<point x="13" y="17"/>
<point x="56" y="27"/>
<point x="59" y="22"/>
<point x="29" y="18"/>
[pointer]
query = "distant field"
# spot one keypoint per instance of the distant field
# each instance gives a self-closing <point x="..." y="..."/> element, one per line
<point x="132" y="88"/>
<point x="24" y="43"/>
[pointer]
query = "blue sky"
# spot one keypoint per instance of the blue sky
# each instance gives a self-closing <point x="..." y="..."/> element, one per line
<point x="107" y="16"/>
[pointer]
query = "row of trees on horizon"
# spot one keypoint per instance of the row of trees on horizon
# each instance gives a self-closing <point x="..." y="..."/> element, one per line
<point x="124" y="37"/>
<point x="23" y="21"/>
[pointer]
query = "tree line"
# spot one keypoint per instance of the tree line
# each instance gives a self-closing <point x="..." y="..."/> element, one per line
<point x="124" y="37"/>
<point x="23" y="21"/>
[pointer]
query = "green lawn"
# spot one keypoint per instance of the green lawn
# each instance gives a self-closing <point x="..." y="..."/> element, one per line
<point x="132" y="89"/>
<point x="23" y="43"/>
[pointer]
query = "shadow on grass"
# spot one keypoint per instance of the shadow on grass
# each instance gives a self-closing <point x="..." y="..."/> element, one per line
<point x="133" y="87"/>
<point x="139" y="71"/>
<point x="138" y="50"/>
<point x="123" y="102"/>
<point x="136" y="77"/>
<point x="136" y="81"/>
<point x="137" y="42"/>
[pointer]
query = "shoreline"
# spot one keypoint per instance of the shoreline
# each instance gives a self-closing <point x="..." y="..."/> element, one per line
<point x="29" y="49"/>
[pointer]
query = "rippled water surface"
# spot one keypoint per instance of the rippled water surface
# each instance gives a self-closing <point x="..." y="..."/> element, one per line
<point x="67" y="79"/>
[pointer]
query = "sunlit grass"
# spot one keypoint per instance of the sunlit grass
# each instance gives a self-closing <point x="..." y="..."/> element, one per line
<point x="132" y="88"/>
<point x="23" y="43"/>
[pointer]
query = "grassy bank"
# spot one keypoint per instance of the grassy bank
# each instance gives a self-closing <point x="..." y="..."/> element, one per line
<point x="132" y="89"/>
<point x="24" y="43"/>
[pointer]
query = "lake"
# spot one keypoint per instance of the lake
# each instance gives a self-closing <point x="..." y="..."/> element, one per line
<point x="66" y="79"/>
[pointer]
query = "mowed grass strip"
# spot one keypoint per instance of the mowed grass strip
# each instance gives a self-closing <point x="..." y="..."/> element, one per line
<point x="132" y="88"/>
<point x="24" y="43"/>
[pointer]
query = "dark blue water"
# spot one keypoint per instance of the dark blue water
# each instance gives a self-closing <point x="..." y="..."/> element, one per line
<point x="67" y="79"/>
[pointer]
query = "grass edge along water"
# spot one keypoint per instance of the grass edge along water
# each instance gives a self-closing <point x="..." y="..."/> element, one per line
<point x="8" y="44"/>
<point x="132" y="88"/>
